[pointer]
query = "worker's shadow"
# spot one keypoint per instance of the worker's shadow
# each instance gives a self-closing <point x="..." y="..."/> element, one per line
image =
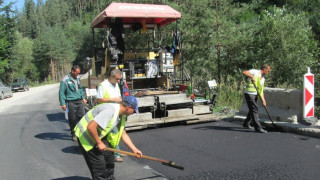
<point x="224" y="128"/>
<point x="53" y="136"/>
<point x="72" y="178"/>
<point x="72" y="150"/>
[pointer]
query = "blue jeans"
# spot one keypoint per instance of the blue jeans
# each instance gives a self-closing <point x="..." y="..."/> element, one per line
<point x="117" y="154"/>
<point x="117" y="147"/>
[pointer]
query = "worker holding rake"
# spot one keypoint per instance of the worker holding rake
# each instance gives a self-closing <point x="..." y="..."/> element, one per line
<point x="254" y="88"/>
<point x="95" y="135"/>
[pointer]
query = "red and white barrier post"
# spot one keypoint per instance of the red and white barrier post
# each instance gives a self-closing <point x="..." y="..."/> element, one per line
<point x="308" y="95"/>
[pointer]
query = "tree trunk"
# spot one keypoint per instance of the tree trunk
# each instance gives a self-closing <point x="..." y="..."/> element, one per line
<point x="229" y="61"/>
<point x="218" y="46"/>
<point x="53" y="73"/>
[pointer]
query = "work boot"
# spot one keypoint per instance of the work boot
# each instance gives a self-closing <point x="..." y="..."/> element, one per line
<point x="247" y="126"/>
<point x="261" y="130"/>
<point x="111" y="177"/>
<point x="118" y="159"/>
<point x="74" y="138"/>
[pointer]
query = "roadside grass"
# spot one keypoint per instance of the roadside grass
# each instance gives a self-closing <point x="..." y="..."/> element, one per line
<point x="230" y="94"/>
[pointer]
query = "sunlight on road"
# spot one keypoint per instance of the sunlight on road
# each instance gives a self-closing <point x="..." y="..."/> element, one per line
<point x="19" y="98"/>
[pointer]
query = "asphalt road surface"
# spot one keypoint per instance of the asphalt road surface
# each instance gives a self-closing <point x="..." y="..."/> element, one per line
<point x="35" y="138"/>
<point x="36" y="144"/>
<point x="225" y="150"/>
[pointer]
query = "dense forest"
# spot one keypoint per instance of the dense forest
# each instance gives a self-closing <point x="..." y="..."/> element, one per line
<point x="220" y="38"/>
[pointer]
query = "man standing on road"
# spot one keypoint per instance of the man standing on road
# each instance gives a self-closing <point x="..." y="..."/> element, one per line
<point x="109" y="92"/>
<point x="72" y="98"/>
<point x="95" y="132"/>
<point x="251" y="95"/>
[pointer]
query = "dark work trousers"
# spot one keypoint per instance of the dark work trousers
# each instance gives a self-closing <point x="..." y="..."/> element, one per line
<point x="101" y="164"/>
<point x="253" y="111"/>
<point x="76" y="111"/>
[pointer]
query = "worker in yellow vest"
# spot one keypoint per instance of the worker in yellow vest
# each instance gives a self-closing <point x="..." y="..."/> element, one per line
<point x="95" y="133"/>
<point x="109" y="92"/>
<point x="251" y="95"/>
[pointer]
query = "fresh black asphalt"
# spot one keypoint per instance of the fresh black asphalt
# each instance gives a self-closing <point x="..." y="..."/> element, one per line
<point x="226" y="150"/>
<point x="36" y="144"/>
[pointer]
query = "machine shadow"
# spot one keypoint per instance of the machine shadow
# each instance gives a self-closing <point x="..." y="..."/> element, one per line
<point x="72" y="178"/>
<point x="57" y="117"/>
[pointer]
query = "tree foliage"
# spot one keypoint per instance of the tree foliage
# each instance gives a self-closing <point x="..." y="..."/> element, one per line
<point x="7" y="29"/>
<point x="287" y="43"/>
<point x="53" y="52"/>
<point x="220" y="38"/>
<point x="21" y="61"/>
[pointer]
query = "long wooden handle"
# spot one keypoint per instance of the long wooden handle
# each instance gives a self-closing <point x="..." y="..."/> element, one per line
<point x="261" y="99"/>
<point x="164" y="162"/>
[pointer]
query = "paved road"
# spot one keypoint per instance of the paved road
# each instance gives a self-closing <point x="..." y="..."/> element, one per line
<point x="35" y="139"/>
<point x="225" y="150"/>
<point x="36" y="144"/>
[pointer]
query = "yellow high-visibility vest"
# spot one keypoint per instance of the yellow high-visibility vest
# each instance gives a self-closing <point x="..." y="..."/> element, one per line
<point x="84" y="136"/>
<point x="107" y="89"/>
<point x="111" y="92"/>
<point x="250" y="87"/>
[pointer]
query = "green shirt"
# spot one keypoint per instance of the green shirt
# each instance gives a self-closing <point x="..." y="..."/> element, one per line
<point x="70" y="89"/>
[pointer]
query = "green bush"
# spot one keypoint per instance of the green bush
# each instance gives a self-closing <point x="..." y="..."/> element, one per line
<point x="230" y="93"/>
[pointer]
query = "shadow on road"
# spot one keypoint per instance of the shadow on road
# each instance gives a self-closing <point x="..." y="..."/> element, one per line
<point x="72" y="178"/>
<point x="152" y="177"/>
<point x="53" y="136"/>
<point x="57" y="117"/>
<point x="72" y="150"/>
<point x="224" y="128"/>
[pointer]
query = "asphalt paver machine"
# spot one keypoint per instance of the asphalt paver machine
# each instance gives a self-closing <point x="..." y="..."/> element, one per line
<point x="154" y="73"/>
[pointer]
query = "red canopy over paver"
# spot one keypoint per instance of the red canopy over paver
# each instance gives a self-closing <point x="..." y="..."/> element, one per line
<point x="131" y="13"/>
